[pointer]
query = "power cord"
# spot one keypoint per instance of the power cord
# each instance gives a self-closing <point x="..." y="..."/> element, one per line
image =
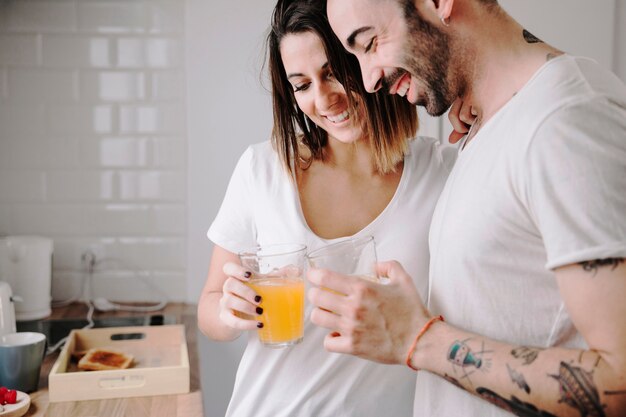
<point x="101" y="303"/>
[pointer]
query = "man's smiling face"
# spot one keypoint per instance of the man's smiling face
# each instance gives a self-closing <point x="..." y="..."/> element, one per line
<point x="398" y="50"/>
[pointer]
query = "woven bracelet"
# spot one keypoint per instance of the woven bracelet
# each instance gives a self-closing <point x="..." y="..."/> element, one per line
<point x="417" y="338"/>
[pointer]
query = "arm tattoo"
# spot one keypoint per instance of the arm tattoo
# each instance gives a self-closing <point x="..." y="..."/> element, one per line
<point x="592" y="266"/>
<point x="530" y="38"/>
<point x="466" y="361"/>
<point x="514" y="405"/>
<point x="518" y="379"/>
<point x="578" y="390"/>
<point x="528" y="354"/>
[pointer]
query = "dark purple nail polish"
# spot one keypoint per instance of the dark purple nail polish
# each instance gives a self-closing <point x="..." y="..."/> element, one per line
<point x="259" y="310"/>
<point x="257" y="298"/>
<point x="259" y="325"/>
<point x="247" y="274"/>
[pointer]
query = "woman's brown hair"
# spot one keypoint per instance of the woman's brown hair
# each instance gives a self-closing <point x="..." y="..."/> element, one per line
<point x="389" y="121"/>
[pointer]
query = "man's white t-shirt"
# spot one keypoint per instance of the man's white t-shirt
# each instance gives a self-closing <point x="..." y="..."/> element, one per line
<point x="262" y="207"/>
<point x="541" y="185"/>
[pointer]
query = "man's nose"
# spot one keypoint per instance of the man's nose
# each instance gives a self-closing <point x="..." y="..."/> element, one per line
<point x="372" y="78"/>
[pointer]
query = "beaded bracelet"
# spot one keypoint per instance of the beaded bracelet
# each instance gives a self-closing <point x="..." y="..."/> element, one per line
<point x="419" y="335"/>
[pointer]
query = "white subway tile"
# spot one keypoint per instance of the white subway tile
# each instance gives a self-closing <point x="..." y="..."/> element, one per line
<point x="62" y="151"/>
<point x="39" y="85"/>
<point x="71" y="51"/>
<point x="68" y="250"/>
<point x="129" y="286"/>
<point x="153" y="53"/>
<point x="50" y="219"/>
<point x="152" y="185"/>
<point x="22" y="152"/>
<point x="112" y="16"/>
<point x="22" y="186"/>
<point x="170" y="219"/>
<point x="168" y="85"/>
<point x="81" y="186"/>
<point x="160" y="119"/>
<point x="115" y="152"/>
<point x="21" y="119"/>
<point x="134" y="220"/>
<point x="119" y="219"/>
<point x="66" y="285"/>
<point x="166" y="16"/>
<point x="19" y="50"/>
<point x="112" y="86"/>
<point x="80" y="119"/>
<point x="153" y="253"/>
<point x="41" y="15"/>
<point x="169" y="152"/>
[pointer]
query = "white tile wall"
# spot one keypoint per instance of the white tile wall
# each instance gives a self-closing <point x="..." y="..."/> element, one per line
<point x="92" y="140"/>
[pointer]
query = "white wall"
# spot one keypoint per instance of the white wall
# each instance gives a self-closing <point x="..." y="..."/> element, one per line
<point x="227" y="111"/>
<point x="93" y="141"/>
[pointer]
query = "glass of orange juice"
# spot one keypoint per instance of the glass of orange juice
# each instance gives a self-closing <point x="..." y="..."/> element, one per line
<point x="354" y="256"/>
<point x="278" y="277"/>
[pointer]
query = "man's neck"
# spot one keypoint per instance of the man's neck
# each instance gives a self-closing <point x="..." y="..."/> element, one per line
<point x="505" y="59"/>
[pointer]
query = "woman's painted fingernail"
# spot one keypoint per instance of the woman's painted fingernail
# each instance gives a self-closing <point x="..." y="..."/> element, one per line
<point x="257" y="298"/>
<point x="259" y="325"/>
<point x="259" y="310"/>
<point x="247" y="274"/>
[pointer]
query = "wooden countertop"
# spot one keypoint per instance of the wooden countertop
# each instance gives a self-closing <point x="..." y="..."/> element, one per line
<point x="183" y="405"/>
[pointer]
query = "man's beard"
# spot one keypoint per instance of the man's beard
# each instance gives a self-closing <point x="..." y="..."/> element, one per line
<point x="428" y="59"/>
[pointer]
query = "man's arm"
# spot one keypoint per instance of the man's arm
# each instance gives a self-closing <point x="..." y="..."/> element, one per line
<point x="380" y="323"/>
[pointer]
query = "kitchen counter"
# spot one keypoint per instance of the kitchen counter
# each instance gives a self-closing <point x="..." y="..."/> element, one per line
<point x="183" y="405"/>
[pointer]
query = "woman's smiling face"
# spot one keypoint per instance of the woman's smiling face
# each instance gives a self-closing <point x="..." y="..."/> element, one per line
<point x="318" y="94"/>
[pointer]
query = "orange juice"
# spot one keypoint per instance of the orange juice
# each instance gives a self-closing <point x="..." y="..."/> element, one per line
<point x="283" y="310"/>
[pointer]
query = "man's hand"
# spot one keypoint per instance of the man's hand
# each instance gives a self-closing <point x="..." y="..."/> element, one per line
<point x="372" y="320"/>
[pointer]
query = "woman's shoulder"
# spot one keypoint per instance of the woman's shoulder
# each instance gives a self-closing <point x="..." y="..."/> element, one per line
<point x="428" y="151"/>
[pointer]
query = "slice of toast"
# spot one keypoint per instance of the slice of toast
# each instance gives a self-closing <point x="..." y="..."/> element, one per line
<point x="102" y="359"/>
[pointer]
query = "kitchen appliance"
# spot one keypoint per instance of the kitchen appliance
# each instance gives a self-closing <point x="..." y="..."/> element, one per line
<point x="7" y="311"/>
<point x="26" y="265"/>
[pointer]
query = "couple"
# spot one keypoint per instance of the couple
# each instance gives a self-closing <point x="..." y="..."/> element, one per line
<point x="527" y="241"/>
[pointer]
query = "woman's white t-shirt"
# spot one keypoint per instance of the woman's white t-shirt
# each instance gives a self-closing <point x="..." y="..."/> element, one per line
<point x="262" y="207"/>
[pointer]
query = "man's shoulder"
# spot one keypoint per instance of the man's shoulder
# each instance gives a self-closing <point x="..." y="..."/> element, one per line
<point x="569" y="79"/>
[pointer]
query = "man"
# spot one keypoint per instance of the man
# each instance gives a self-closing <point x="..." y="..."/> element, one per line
<point x="529" y="236"/>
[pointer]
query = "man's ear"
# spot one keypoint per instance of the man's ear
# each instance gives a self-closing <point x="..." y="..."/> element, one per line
<point x="441" y="8"/>
<point x="444" y="9"/>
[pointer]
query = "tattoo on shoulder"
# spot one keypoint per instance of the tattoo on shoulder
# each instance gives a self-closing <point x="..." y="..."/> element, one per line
<point x="593" y="266"/>
<point x="514" y="405"/>
<point x="527" y="354"/>
<point x="518" y="379"/>
<point x="530" y="38"/>
<point x="578" y="390"/>
<point x="465" y="361"/>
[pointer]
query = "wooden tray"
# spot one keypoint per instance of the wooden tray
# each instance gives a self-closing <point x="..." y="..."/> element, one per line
<point x="161" y="364"/>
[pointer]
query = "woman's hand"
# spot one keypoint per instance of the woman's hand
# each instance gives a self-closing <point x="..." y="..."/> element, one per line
<point x="461" y="115"/>
<point x="239" y="303"/>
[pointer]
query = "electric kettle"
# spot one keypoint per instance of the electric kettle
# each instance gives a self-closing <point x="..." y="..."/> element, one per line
<point x="7" y="311"/>
<point x="26" y="265"/>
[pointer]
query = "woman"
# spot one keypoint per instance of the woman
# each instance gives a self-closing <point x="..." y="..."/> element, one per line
<point x="341" y="163"/>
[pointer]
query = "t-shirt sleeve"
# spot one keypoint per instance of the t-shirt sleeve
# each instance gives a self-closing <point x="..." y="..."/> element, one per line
<point x="234" y="228"/>
<point x="576" y="173"/>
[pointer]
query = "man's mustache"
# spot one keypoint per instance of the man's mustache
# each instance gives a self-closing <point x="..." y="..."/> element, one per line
<point x="391" y="79"/>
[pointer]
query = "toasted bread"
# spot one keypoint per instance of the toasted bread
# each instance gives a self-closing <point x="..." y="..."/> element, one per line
<point x="100" y="359"/>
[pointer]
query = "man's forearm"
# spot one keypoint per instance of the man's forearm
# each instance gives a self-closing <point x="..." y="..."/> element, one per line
<point x="524" y="380"/>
